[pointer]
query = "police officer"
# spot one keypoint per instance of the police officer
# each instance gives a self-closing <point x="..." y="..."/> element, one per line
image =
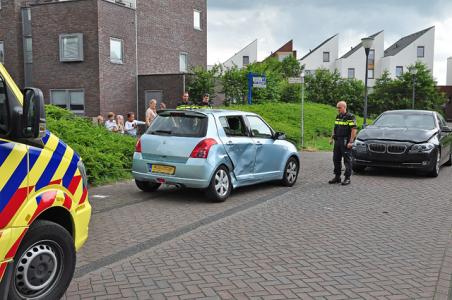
<point x="206" y="101"/>
<point x="344" y="133"/>
<point x="185" y="103"/>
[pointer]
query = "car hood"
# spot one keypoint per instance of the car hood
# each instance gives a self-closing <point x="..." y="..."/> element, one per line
<point x="396" y="134"/>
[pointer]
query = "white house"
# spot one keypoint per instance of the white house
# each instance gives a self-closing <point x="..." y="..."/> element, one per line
<point x="449" y="71"/>
<point x="353" y="63"/>
<point x="247" y="55"/>
<point x="323" y="56"/>
<point x="408" y="50"/>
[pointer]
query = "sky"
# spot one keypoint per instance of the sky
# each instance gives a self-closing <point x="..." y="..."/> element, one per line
<point x="233" y="24"/>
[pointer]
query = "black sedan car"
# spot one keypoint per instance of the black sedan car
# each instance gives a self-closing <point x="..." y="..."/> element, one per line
<point x="416" y="139"/>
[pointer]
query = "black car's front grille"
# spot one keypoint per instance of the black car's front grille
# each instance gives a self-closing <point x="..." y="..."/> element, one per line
<point x="379" y="148"/>
<point x="396" y="149"/>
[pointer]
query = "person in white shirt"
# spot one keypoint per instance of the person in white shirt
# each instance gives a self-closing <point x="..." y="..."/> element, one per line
<point x="151" y="112"/>
<point x="111" y="124"/>
<point x="131" y="125"/>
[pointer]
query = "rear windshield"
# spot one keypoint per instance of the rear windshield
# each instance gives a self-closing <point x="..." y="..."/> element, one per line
<point x="179" y="124"/>
<point x="404" y="120"/>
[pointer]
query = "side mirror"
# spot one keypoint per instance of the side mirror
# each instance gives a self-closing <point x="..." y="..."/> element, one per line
<point x="446" y="129"/>
<point x="33" y="118"/>
<point x="279" y="136"/>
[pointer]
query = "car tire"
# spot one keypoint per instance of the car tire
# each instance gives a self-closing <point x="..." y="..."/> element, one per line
<point x="358" y="168"/>
<point x="147" y="186"/>
<point x="44" y="263"/>
<point x="435" y="170"/>
<point x="291" y="170"/>
<point x="449" y="162"/>
<point x="220" y="186"/>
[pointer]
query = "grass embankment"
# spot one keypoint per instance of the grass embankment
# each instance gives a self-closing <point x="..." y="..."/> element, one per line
<point x="107" y="156"/>
<point x="286" y="117"/>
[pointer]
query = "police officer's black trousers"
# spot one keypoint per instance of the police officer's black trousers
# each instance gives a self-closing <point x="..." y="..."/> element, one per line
<point x="341" y="151"/>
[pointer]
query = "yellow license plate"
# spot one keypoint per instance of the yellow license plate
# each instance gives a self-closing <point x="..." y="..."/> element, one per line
<point x="162" y="169"/>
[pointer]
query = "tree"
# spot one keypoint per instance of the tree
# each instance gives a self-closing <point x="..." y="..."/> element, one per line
<point x="235" y="85"/>
<point x="202" y="82"/>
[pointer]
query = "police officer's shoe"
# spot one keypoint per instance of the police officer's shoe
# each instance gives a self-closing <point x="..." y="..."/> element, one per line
<point x="336" y="179"/>
<point x="346" y="181"/>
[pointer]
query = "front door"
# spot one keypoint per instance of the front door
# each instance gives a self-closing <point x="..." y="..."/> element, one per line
<point x="269" y="152"/>
<point x="239" y="146"/>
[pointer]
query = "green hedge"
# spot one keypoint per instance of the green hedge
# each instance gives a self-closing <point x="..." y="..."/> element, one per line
<point x="107" y="156"/>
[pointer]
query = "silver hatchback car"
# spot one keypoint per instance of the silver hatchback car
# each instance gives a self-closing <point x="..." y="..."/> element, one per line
<point x="214" y="150"/>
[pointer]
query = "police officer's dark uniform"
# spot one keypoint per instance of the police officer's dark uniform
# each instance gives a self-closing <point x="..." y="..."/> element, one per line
<point x="342" y="136"/>
<point x="185" y="105"/>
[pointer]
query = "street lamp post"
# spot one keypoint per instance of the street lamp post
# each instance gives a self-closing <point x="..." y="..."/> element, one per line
<point x="367" y="44"/>
<point x="302" y="108"/>
<point x="413" y="71"/>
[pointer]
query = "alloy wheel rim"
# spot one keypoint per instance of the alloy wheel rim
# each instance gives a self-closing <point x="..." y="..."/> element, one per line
<point x="221" y="183"/>
<point x="291" y="171"/>
<point x="38" y="269"/>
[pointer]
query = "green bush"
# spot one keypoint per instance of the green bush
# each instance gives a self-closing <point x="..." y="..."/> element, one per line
<point x="107" y="156"/>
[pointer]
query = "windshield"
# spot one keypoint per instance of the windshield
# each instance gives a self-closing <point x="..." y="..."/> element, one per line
<point x="404" y="120"/>
<point x="179" y="124"/>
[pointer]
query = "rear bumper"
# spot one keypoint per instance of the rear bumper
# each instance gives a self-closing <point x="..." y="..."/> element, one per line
<point x="5" y="281"/>
<point x="194" y="173"/>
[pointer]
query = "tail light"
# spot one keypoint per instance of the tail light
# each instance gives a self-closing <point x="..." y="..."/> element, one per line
<point x="138" y="146"/>
<point x="202" y="149"/>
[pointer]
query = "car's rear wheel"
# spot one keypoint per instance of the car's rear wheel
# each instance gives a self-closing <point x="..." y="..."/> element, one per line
<point x="220" y="185"/>
<point x="147" y="186"/>
<point x="435" y="170"/>
<point x="44" y="264"/>
<point x="290" y="172"/>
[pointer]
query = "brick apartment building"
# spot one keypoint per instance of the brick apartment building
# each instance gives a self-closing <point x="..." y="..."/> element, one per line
<point x="96" y="56"/>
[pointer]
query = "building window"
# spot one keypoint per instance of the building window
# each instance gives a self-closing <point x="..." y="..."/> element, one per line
<point x="116" y="51"/>
<point x="351" y="73"/>
<point x="420" y="51"/>
<point x="197" y="19"/>
<point x="73" y="100"/>
<point x="183" y="62"/>
<point x="246" y="60"/>
<point x="326" y="57"/>
<point x="399" y="71"/>
<point x="71" y="47"/>
<point x="371" y="64"/>
<point x="2" y="52"/>
<point x="370" y="74"/>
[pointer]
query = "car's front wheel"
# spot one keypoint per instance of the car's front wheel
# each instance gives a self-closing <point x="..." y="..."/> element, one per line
<point x="44" y="263"/>
<point x="147" y="186"/>
<point x="220" y="185"/>
<point x="290" y="172"/>
<point x="435" y="170"/>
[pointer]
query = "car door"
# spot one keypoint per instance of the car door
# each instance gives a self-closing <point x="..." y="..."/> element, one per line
<point x="445" y="139"/>
<point x="269" y="151"/>
<point x="240" y="148"/>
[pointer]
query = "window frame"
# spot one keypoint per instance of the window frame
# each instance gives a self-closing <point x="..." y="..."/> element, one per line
<point x="369" y="71"/>
<point x="186" y="62"/>
<point x="68" y="99"/>
<point x="2" y="57"/>
<point x="272" y="132"/>
<point x="323" y="57"/>
<point x="243" y="122"/>
<point x="200" y="18"/>
<point x="4" y="132"/>
<point x="401" y="73"/>
<point x="80" y="53"/>
<point x="114" y="61"/>
<point x="423" y="51"/>
<point x="243" y="60"/>
<point x="348" y="73"/>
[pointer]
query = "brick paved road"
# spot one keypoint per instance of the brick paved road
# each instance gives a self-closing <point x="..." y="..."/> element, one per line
<point x="387" y="236"/>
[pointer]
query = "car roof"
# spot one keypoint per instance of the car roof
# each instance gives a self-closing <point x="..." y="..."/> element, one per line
<point x="218" y="112"/>
<point x="410" y="111"/>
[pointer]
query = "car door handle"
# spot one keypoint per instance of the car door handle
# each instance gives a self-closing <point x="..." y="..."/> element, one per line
<point x="258" y="144"/>
<point x="229" y="143"/>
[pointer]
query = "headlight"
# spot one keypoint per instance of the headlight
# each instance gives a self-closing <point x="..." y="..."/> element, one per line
<point x="360" y="146"/>
<point x="425" y="147"/>
<point x="82" y="169"/>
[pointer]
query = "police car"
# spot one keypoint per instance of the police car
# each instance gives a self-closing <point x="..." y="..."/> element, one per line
<point x="44" y="208"/>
